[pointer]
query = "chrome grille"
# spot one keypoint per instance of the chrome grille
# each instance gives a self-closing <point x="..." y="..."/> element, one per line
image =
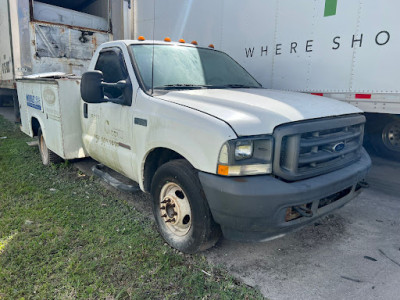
<point x="307" y="149"/>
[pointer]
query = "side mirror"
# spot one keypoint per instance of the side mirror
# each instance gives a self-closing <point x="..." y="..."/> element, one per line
<point x="91" y="87"/>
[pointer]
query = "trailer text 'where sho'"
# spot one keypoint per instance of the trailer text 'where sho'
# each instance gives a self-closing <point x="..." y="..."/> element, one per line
<point x="381" y="39"/>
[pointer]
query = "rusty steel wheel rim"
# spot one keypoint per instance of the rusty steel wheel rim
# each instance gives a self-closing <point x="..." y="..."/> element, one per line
<point x="175" y="209"/>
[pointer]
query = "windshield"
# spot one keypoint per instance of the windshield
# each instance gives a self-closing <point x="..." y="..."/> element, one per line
<point x="180" y="67"/>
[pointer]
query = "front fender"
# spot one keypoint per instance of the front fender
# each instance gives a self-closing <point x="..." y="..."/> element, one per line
<point x="196" y="136"/>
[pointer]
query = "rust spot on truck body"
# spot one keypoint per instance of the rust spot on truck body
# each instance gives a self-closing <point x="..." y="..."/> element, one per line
<point x="240" y="179"/>
<point x="94" y="41"/>
<point x="69" y="26"/>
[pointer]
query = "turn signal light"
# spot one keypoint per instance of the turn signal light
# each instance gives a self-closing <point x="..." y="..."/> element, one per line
<point x="223" y="170"/>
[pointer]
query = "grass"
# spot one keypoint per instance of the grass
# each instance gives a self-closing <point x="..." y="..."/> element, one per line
<point x="64" y="236"/>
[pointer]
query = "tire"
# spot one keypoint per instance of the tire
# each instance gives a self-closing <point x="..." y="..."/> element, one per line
<point x="48" y="156"/>
<point x="181" y="210"/>
<point x="17" y="113"/>
<point x="384" y="135"/>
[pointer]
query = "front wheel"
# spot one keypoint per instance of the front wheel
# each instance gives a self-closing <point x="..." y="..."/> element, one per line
<point x="181" y="210"/>
<point x="48" y="156"/>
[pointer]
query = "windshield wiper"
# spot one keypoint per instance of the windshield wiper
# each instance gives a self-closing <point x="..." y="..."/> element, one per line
<point x="182" y="86"/>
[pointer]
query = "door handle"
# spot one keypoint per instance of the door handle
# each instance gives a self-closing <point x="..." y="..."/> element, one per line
<point x="85" y="110"/>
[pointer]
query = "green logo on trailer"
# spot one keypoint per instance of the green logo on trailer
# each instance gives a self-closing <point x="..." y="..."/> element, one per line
<point x="330" y="8"/>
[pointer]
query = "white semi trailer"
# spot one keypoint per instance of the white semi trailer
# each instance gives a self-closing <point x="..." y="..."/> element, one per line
<point x="345" y="50"/>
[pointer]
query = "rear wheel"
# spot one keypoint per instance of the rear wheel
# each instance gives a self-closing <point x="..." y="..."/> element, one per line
<point x="384" y="134"/>
<point x="48" y="156"/>
<point x="17" y="113"/>
<point x="181" y="209"/>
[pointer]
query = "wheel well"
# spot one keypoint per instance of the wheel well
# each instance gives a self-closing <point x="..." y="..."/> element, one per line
<point x="154" y="160"/>
<point x="35" y="126"/>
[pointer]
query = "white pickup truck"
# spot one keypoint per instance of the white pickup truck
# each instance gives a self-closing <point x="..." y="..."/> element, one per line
<point x="216" y="151"/>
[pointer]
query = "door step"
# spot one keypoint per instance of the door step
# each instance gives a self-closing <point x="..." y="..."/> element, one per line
<point x="101" y="171"/>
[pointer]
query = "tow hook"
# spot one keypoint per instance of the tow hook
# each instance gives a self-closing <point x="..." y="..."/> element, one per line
<point x="363" y="184"/>
<point x="303" y="211"/>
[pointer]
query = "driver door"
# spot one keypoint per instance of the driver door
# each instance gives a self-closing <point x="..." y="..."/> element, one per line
<point x="113" y="139"/>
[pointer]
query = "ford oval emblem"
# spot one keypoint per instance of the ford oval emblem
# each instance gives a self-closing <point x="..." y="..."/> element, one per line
<point x="338" y="147"/>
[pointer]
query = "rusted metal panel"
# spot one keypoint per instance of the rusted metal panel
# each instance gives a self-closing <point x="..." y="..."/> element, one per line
<point x="60" y="42"/>
<point x="29" y="46"/>
<point x="62" y="49"/>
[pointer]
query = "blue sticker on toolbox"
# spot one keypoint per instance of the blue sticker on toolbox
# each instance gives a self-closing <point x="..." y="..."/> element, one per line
<point x="33" y="101"/>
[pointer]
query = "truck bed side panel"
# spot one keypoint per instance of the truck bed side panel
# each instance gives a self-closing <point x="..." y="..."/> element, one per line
<point x="55" y="103"/>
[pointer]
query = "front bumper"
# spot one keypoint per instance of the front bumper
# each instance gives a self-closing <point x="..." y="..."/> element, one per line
<point x="253" y="208"/>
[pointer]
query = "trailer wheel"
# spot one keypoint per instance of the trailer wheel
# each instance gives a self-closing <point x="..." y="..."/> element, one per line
<point x="48" y="156"/>
<point x="385" y="137"/>
<point x="181" y="210"/>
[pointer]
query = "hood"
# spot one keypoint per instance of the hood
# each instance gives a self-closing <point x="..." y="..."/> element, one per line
<point x="258" y="111"/>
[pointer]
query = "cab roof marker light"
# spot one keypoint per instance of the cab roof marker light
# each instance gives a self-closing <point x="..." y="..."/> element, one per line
<point x="167" y="39"/>
<point x="211" y="46"/>
<point x="182" y="41"/>
<point x="194" y="43"/>
<point x="141" y="38"/>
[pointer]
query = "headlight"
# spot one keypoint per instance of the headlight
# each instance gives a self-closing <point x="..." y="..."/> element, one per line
<point x="243" y="150"/>
<point x="247" y="156"/>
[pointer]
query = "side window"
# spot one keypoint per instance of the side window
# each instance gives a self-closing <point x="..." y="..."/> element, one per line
<point x="112" y="64"/>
